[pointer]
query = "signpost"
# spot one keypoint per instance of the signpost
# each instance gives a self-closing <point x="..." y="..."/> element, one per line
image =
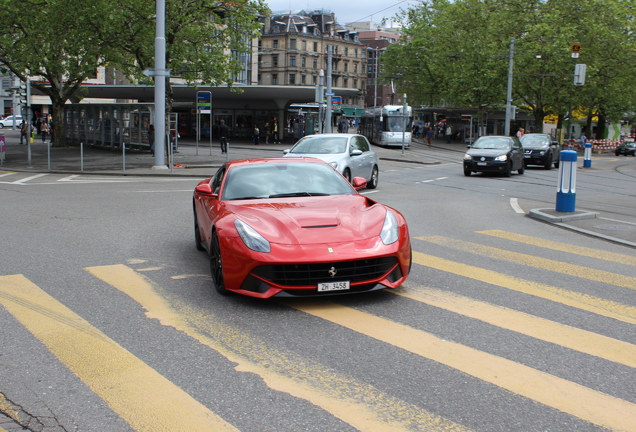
<point x="204" y="107"/>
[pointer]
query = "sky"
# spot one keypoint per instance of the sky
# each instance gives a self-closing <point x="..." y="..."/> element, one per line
<point x="348" y="11"/>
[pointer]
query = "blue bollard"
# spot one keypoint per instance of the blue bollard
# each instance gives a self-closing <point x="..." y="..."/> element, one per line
<point x="566" y="190"/>
<point x="587" y="157"/>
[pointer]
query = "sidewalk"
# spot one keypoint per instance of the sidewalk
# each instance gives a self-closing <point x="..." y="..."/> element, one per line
<point x="203" y="161"/>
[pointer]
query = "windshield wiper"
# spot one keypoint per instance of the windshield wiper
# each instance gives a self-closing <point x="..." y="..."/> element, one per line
<point x="246" y="198"/>
<point x="297" y="194"/>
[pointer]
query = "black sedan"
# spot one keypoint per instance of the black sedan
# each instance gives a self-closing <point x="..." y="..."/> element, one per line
<point x="541" y="149"/>
<point x="627" y="148"/>
<point x="498" y="154"/>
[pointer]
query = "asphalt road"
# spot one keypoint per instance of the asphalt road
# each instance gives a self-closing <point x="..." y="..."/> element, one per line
<point x="109" y="321"/>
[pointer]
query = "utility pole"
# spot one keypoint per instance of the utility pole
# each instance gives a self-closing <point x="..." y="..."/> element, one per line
<point x="329" y="93"/>
<point x="160" y="86"/>
<point x="319" y="98"/>
<point x="509" y="92"/>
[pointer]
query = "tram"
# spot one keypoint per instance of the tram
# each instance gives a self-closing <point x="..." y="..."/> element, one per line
<point x="387" y="125"/>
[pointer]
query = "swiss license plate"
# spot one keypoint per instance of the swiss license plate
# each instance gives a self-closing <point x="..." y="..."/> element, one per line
<point x="482" y="163"/>
<point x="527" y="156"/>
<point x="333" y="286"/>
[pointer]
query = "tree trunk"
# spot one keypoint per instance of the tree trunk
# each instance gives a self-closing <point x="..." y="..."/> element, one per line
<point x="600" y="127"/>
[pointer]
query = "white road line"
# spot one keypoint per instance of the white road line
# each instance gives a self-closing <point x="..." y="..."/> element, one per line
<point x="24" y="180"/>
<point x="69" y="178"/>
<point x="7" y="174"/>
<point x="515" y="205"/>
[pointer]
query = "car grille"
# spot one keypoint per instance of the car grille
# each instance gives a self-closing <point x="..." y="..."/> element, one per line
<point x="310" y="274"/>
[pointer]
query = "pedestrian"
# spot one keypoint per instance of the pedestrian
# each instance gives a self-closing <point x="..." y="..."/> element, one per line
<point x="268" y="132"/>
<point x="429" y="136"/>
<point x="449" y="133"/>
<point x="151" y="138"/>
<point x="44" y="129"/>
<point x="582" y="141"/>
<point x="520" y="133"/>
<point x="256" y="135"/>
<point x="224" y="133"/>
<point x="276" y="141"/>
<point x="24" y="129"/>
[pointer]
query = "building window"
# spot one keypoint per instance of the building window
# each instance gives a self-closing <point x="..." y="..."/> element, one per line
<point x="355" y="83"/>
<point x="345" y="83"/>
<point x="274" y="79"/>
<point x="303" y="78"/>
<point x="346" y="67"/>
<point x="292" y="44"/>
<point x="315" y="80"/>
<point x="275" y="43"/>
<point x="355" y="51"/>
<point x="259" y="80"/>
<point x="315" y="64"/>
<point x="316" y="46"/>
<point x="346" y="53"/>
<point x="304" y="45"/>
<point x="275" y="61"/>
<point x="292" y="60"/>
<point x="303" y="62"/>
<point x="355" y="68"/>
<point x="292" y="79"/>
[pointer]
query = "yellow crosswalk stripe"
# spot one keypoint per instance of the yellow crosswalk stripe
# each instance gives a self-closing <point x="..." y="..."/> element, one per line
<point x="586" y="302"/>
<point x="140" y="395"/>
<point x="575" y="399"/>
<point x="534" y="261"/>
<point x="562" y="247"/>
<point x="539" y="328"/>
<point x="358" y="404"/>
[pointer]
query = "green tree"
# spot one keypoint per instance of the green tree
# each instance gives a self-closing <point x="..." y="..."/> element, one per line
<point x="51" y="41"/>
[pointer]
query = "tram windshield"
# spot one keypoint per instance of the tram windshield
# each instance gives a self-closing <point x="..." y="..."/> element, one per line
<point x="397" y="123"/>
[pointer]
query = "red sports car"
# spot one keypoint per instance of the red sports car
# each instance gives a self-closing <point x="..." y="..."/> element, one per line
<point x="295" y="227"/>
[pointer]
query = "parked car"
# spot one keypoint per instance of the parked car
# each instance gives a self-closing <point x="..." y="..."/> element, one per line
<point x="292" y="227"/>
<point x="498" y="154"/>
<point x="626" y="148"/>
<point x="541" y="149"/>
<point x="10" y="120"/>
<point x="349" y="154"/>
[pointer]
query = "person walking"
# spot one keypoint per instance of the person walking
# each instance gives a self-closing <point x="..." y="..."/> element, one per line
<point x="582" y="141"/>
<point x="44" y="129"/>
<point x="256" y="135"/>
<point x="151" y="138"/>
<point x="520" y="133"/>
<point x="224" y="133"/>
<point x="24" y="128"/>
<point x="276" y="140"/>
<point x="429" y="136"/>
<point x="268" y="132"/>
<point x="449" y="133"/>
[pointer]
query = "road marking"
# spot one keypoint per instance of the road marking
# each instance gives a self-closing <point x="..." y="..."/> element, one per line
<point x="136" y="392"/>
<point x="24" y="180"/>
<point x="69" y="178"/>
<point x="586" y="302"/>
<point x="539" y="328"/>
<point x="361" y="405"/>
<point x="534" y="261"/>
<point x="7" y="173"/>
<point x="582" y="402"/>
<point x="431" y="180"/>
<point x="514" y="203"/>
<point x="562" y="247"/>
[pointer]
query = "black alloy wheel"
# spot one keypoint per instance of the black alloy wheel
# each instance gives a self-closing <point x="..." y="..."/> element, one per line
<point x="216" y="265"/>
<point x="347" y="174"/>
<point x="548" y="162"/>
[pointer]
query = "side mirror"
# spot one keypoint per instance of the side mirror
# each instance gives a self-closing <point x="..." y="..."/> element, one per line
<point x="205" y="189"/>
<point x="468" y="146"/>
<point x="359" y="183"/>
<point x="286" y="151"/>
<point x="356" y="152"/>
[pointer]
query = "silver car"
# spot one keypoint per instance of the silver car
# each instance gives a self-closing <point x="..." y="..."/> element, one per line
<point x="349" y="154"/>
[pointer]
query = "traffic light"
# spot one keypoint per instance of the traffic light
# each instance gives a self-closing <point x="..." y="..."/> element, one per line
<point x="514" y="111"/>
<point x="23" y="94"/>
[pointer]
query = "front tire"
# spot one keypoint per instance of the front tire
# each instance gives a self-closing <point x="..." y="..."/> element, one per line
<point x="508" y="171"/>
<point x="347" y="174"/>
<point x="548" y="162"/>
<point x="467" y="172"/>
<point x="373" y="183"/>
<point x="522" y="169"/>
<point x="216" y="265"/>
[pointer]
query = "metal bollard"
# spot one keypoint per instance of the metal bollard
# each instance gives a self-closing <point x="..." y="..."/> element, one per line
<point x="566" y="190"/>
<point x="587" y="156"/>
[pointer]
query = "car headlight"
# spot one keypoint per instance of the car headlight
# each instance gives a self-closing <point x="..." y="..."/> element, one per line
<point x="251" y="238"/>
<point x="390" y="229"/>
<point x="542" y="152"/>
<point x="468" y="157"/>
<point x="502" y="158"/>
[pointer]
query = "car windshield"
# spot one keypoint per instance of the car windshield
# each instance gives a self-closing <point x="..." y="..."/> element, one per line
<point x="535" y="141"/>
<point x="492" y="143"/>
<point x="320" y="145"/>
<point x="281" y="180"/>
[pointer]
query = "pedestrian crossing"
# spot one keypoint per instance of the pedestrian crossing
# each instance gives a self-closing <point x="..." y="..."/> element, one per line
<point x="29" y="179"/>
<point x="149" y="401"/>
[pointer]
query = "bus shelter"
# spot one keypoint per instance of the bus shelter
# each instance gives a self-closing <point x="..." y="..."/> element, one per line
<point x="108" y="125"/>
